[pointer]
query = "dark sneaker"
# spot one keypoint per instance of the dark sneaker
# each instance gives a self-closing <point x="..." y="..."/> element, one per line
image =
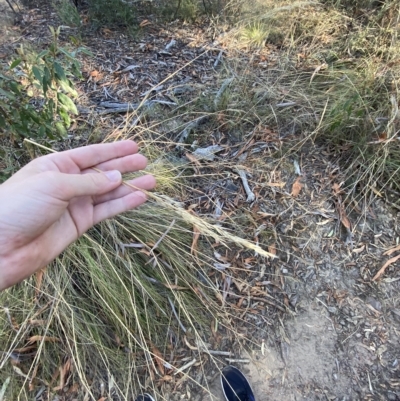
<point x="145" y="397"/>
<point x="235" y="385"/>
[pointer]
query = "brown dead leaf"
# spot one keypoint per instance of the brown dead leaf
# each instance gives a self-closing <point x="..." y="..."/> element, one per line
<point x="107" y="31"/>
<point x="118" y="341"/>
<point x="359" y="250"/>
<point x="336" y="189"/>
<point x="167" y="378"/>
<point x="24" y="349"/>
<point x="272" y="249"/>
<point x="33" y="339"/>
<point x="392" y="250"/>
<point x="31" y="381"/>
<point x="102" y="399"/>
<point x="175" y="287"/>
<point x="37" y="322"/>
<point x="296" y="188"/>
<point x="196" y="236"/>
<point x="276" y="184"/>
<point x="195" y="161"/>
<point x="96" y="76"/>
<point x="147" y="253"/>
<point x="64" y="372"/>
<point x="384" y="267"/>
<point x="343" y="218"/>
<point x="144" y="23"/>
<point x="240" y="285"/>
<point x="39" y="279"/>
<point x="158" y="358"/>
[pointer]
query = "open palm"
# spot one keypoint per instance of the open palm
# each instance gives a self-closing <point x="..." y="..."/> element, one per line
<point x="56" y="198"/>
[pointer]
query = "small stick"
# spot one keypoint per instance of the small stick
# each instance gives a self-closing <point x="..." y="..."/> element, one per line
<point x="250" y="194"/>
<point x="218" y="59"/>
<point x="163" y="236"/>
<point x="186" y="366"/>
<point x="286" y="104"/>
<point x="221" y="91"/>
<point x="237" y="360"/>
<point x="176" y="315"/>
<point x="222" y="353"/>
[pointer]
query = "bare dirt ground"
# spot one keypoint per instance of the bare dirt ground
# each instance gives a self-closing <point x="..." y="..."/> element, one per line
<point x="339" y="338"/>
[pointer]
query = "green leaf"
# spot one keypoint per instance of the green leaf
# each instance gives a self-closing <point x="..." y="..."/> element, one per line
<point x="68" y="103"/>
<point x="15" y="87"/>
<point x="42" y="131"/>
<point x="50" y="108"/>
<point x="85" y="51"/>
<point x="60" y="72"/>
<point x="46" y="81"/>
<point x="62" y="50"/>
<point x="38" y="74"/>
<point x="35" y="117"/>
<point x="7" y="94"/>
<point x="67" y="87"/>
<point x="42" y="54"/>
<point x="61" y="129"/>
<point x="65" y="117"/>
<point x="45" y="86"/>
<point x="15" y="63"/>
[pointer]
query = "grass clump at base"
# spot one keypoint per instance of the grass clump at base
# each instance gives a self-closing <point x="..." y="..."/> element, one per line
<point x="105" y="306"/>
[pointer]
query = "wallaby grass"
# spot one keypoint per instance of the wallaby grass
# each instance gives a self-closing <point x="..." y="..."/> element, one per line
<point x="118" y="301"/>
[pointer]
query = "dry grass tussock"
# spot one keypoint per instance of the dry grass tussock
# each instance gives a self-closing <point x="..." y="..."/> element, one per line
<point x="337" y="70"/>
<point x="111" y="315"/>
<point x="111" y="312"/>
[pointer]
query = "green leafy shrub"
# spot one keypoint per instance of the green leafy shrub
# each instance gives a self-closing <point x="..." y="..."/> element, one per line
<point x="112" y="12"/>
<point x="36" y="93"/>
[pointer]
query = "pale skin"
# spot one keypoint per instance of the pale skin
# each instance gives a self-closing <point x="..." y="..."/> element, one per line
<point x="55" y="199"/>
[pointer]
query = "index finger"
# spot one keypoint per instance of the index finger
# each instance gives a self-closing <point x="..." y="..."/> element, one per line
<point x="89" y="156"/>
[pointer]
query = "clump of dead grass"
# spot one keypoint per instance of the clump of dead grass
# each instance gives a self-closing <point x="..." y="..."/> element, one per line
<point x="331" y="76"/>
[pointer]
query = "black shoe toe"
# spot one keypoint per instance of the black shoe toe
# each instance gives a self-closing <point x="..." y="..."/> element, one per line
<point x="235" y="385"/>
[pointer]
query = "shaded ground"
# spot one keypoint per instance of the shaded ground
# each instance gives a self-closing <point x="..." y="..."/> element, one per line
<point x="339" y="339"/>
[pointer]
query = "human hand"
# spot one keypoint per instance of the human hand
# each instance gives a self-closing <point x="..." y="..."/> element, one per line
<point x="54" y="199"/>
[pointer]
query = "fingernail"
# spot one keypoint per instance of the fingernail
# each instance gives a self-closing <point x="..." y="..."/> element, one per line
<point x="113" y="175"/>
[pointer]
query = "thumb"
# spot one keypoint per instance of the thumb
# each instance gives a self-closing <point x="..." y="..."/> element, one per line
<point x="73" y="185"/>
